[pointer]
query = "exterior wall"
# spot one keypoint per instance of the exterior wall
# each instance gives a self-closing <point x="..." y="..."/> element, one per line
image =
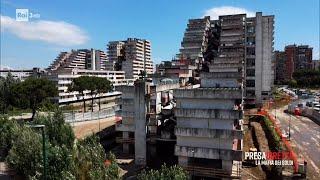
<point x="115" y="53"/>
<point x="140" y="123"/>
<point x="297" y="58"/>
<point x="21" y="74"/>
<point x="264" y="73"/>
<point x="316" y="64"/>
<point x="205" y="123"/>
<point x="195" y="40"/>
<point x="280" y="66"/>
<point x="291" y="56"/>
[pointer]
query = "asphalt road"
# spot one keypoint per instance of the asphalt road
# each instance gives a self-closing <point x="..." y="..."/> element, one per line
<point x="305" y="138"/>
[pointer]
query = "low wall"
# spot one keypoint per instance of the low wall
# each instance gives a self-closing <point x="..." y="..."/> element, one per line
<point x="312" y="114"/>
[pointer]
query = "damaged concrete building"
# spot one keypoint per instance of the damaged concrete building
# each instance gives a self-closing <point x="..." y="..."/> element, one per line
<point x="230" y="61"/>
<point x="146" y="109"/>
<point x="256" y="34"/>
<point x="209" y="118"/>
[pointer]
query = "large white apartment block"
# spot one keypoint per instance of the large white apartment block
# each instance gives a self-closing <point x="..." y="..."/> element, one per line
<point x="64" y="78"/>
<point x="131" y="56"/>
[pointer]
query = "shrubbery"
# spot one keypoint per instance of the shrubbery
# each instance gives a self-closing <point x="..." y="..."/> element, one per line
<point x="21" y="147"/>
<point x="167" y="173"/>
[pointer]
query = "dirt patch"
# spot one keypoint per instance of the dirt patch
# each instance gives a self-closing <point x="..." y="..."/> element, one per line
<point x="83" y="129"/>
<point x="250" y="172"/>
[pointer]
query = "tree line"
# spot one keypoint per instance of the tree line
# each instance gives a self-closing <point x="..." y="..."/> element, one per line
<point x="32" y="93"/>
<point x="35" y="93"/>
<point x="306" y="79"/>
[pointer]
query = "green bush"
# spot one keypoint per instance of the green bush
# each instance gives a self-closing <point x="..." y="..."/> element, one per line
<point x="167" y="173"/>
<point x="271" y="130"/>
<point x="66" y="158"/>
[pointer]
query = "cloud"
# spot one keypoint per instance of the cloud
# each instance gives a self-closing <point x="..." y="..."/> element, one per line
<point x="54" y="32"/>
<point x="215" y="12"/>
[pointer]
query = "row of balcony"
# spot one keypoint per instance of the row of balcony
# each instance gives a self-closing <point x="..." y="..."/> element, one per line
<point x="209" y="93"/>
<point x="209" y="133"/>
<point x="208" y="113"/>
<point x="208" y="153"/>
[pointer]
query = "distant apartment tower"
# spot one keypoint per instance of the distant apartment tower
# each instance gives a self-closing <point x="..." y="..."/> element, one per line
<point x="280" y="67"/>
<point x="297" y="58"/>
<point x="116" y="55"/>
<point x="131" y="56"/>
<point x="90" y="59"/>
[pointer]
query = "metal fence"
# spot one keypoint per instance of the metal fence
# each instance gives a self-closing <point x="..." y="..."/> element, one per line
<point x="72" y="117"/>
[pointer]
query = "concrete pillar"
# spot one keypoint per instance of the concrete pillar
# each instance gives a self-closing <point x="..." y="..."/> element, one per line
<point x="153" y="150"/>
<point x="183" y="160"/>
<point x="259" y="57"/>
<point x="93" y="59"/>
<point x="227" y="165"/>
<point x="140" y="123"/>
<point x="125" y="147"/>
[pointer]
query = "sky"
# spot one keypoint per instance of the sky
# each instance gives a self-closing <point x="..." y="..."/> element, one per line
<point x="62" y="25"/>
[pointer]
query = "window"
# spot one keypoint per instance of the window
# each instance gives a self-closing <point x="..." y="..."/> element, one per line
<point x="251" y="51"/>
<point x="250" y="93"/>
<point x="250" y="72"/>
<point x="250" y="83"/>
<point x="251" y="62"/>
<point x="250" y="29"/>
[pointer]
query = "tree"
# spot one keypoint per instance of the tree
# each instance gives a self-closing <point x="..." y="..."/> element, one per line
<point x="6" y="94"/>
<point x="57" y="131"/>
<point x="25" y="156"/>
<point x="307" y="78"/>
<point x="35" y="91"/>
<point x="66" y="159"/>
<point x="293" y="83"/>
<point x="80" y="84"/>
<point x="113" y="168"/>
<point x="89" y="161"/>
<point x="7" y="133"/>
<point x="103" y="85"/>
<point x="170" y="173"/>
<point x="59" y="148"/>
<point x="95" y="86"/>
<point x="92" y="87"/>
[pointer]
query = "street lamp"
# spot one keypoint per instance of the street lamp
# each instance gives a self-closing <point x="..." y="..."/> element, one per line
<point x="42" y="127"/>
<point x="289" y="127"/>
<point x="192" y="163"/>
